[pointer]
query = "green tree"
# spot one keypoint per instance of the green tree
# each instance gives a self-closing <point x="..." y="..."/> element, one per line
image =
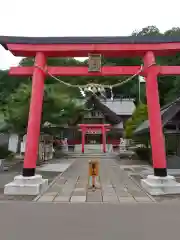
<point x="147" y="31"/>
<point x="139" y="115"/>
<point x="16" y="109"/>
<point x="58" y="107"/>
<point x="169" y="86"/>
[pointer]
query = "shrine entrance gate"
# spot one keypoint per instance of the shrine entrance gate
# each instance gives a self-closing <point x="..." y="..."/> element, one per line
<point x="94" y="127"/>
<point x="41" y="48"/>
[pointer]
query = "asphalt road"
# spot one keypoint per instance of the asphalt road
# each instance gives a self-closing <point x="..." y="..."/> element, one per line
<point x="41" y="221"/>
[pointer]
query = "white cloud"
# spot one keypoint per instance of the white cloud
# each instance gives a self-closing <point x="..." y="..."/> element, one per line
<point x="82" y="18"/>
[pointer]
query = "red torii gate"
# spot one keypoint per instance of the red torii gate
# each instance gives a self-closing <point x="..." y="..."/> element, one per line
<point x="94" y="127"/>
<point x="41" y="48"/>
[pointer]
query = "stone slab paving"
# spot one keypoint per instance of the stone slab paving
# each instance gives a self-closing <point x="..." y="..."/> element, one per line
<point x="54" y="167"/>
<point x="46" y="199"/>
<point x="115" y="185"/>
<point x="61" y="199"/>
<point x="78" y="199"/>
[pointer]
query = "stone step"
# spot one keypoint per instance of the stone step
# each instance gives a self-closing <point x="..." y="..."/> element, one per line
<point x="90" y="156"/>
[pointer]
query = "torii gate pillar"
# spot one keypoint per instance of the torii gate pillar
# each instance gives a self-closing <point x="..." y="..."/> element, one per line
<point x="28" y="183"/>
<point x="159" y="183"/>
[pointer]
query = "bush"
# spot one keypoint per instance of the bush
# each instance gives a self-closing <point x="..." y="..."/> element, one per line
<point x="144" y="154"/>
<point x="5" y="153"/>
<point x="139" y="116"/>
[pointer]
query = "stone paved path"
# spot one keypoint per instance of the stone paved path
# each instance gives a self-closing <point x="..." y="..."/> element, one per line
<point x="115" y="185"/>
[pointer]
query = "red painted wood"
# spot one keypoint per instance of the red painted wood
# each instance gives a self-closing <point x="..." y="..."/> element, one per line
<point x="77" y="71"/>
<point x="33" y="130"/>
<point x="83" y="141"/>
<point x="83" y="71"/>
<point x="169" y="70"/>
<point x="21" y="71"/>
<point x="156" y="133"/>
<point x="82" y="50"/>
<point x="83" y="125"/>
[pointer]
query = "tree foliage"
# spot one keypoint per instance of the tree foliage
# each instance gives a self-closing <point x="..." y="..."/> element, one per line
<point x="147" y="31"/>
<point x="140" y="114"/>
<point x="58" y="107"/>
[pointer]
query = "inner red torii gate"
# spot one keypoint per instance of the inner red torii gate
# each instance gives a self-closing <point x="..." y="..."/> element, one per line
<point x="41" y="48"/>
<point x="102" y="127"/>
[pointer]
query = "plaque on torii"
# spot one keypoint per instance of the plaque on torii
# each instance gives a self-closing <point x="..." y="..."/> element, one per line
<point x="94" y="63"/>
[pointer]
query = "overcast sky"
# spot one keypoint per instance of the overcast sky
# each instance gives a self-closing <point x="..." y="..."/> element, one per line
<point x="82" y="18"/>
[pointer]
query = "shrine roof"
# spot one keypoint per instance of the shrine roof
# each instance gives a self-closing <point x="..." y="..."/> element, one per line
<point x="121" y="106"/>
<point x="108" y="113"/>
<point x="167" y="113"/>
<point x="89" y="40"/>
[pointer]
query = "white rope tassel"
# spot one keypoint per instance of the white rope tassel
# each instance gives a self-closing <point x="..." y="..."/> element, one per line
<point x="82" y="92"/>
